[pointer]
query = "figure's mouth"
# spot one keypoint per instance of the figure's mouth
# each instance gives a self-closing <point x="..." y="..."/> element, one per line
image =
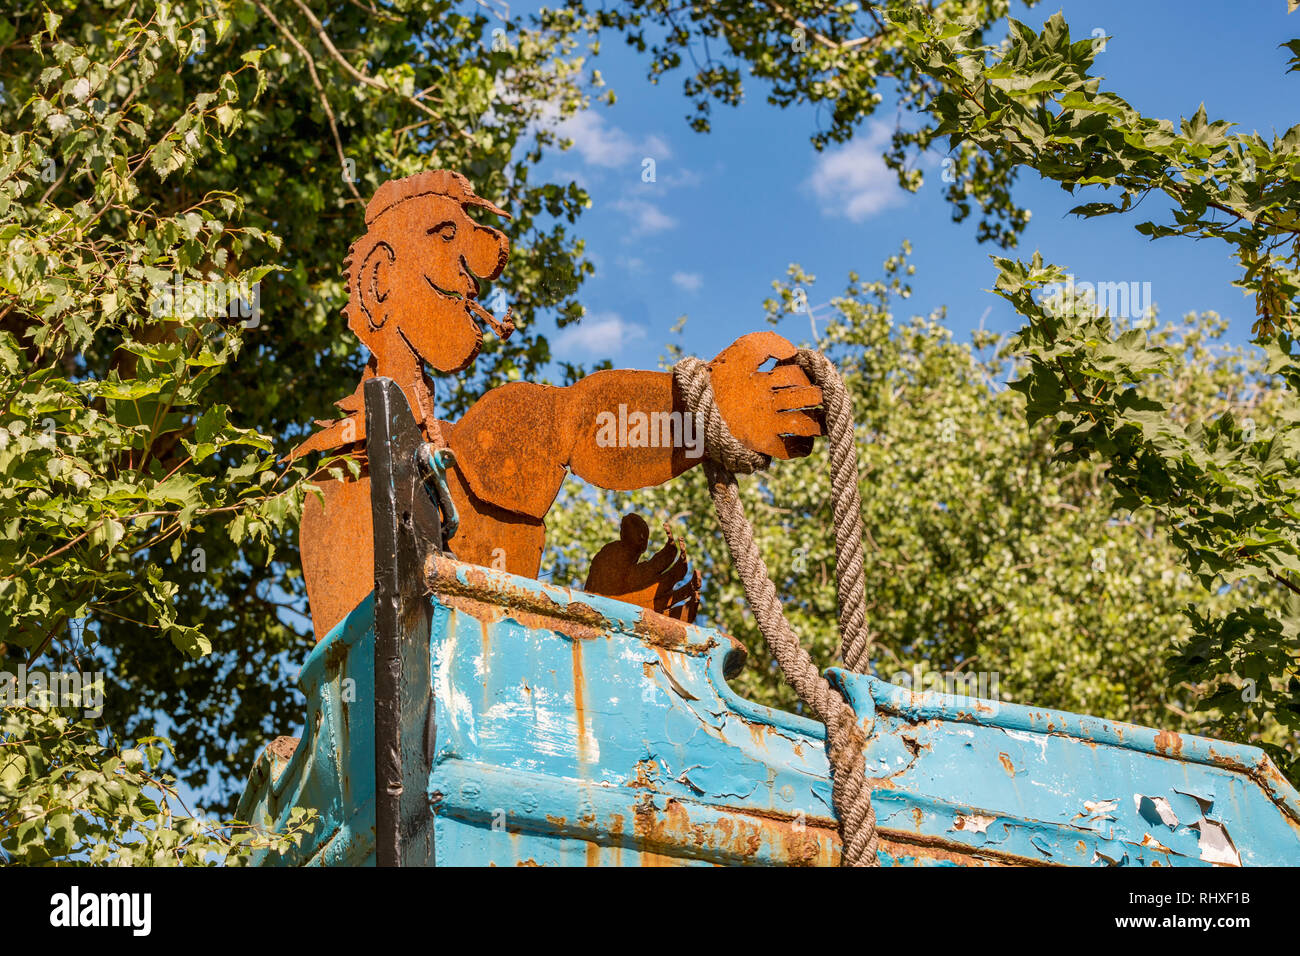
<point x="445" y="293"/>
<point x="503" y="327"/>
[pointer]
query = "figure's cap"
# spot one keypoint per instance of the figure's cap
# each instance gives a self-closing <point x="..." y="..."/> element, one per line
<point x="434" y="182"/>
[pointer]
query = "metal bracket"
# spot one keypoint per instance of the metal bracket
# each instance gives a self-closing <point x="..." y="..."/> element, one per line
<point x="435" y="462"/>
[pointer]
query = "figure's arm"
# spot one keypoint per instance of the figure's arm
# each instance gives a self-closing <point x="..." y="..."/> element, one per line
<point x="628" y="429"/>
<point x="515" y="444"/>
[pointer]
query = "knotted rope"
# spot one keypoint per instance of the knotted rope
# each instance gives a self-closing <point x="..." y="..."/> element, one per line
<point x="726" y="456"/>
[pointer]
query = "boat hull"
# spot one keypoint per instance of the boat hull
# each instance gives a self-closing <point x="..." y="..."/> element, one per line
<point x="554" y="727"/>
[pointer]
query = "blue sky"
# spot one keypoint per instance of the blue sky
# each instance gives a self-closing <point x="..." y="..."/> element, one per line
<point x="731" y="209"/>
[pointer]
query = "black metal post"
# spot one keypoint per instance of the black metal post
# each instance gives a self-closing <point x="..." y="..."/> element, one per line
<point x="406" y="529"/>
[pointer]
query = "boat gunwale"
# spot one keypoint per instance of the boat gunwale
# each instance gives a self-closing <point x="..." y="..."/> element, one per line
<point x="914" y="707"/>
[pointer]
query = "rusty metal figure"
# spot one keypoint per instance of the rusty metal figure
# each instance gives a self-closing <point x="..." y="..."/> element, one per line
<point x="413" y="285"/>
<point x="664" y="583"/>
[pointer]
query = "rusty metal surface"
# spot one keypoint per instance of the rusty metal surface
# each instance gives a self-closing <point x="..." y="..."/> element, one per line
<point x="770" y="411"/>
<point x="413" y="283"/>
<point x="663" y="583"/>
<point x="577" y="730"/>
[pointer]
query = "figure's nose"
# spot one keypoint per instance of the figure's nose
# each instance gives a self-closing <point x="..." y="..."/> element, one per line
<point x="484" y="255"/>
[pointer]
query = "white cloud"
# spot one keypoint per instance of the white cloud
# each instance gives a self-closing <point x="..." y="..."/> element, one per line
<point x="853" y="181"/>
<point x="657" y="148"/>
<point x="602" y="334"/>
<point x="682" y="177"/>
<point x="688" y="281"/>
<point x="601" y="144"/>
<point x="646" y="216"/>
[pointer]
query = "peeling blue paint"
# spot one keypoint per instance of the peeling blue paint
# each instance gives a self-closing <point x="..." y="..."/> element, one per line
<point x="575" y="729"/>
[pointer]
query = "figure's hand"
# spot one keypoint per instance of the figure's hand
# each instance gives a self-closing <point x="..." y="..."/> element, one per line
<point x="661" y="583"/>
<point x="776" y="413"/>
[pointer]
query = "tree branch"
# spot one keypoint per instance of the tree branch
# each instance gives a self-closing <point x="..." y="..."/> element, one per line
<point x="320" y="90"/>
<point x="822" y="39"/>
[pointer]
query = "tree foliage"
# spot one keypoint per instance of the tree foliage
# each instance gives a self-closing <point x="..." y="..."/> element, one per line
<point x="67" y="799"/>
<point x="847" y="58"/>
<point x="1226" y="491"/>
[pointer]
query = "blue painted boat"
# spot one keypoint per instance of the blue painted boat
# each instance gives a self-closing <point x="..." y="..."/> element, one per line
<point x="517" y="723"/>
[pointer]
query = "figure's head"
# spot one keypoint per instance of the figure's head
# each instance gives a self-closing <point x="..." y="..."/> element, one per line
<point x="634" y="532"/>
<point x="413" y="277"/>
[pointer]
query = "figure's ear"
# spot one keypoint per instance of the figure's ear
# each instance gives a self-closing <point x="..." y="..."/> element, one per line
<point x="375" y="300"/>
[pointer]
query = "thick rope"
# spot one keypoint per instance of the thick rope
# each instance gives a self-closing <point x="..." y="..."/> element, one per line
<point x="850" y="795"/>
<point x="850" y="577"/>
